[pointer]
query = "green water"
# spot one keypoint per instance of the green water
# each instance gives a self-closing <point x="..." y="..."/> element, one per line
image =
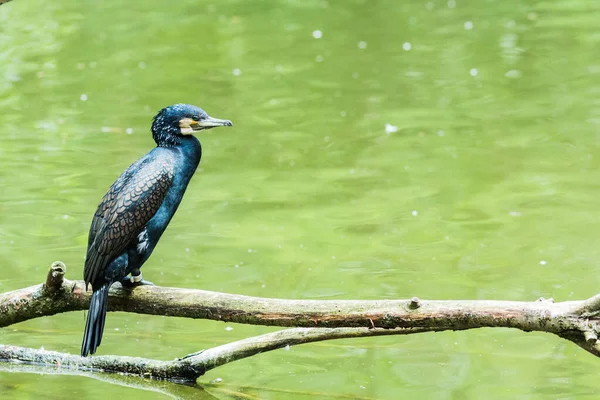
<point x="484" y="185"/>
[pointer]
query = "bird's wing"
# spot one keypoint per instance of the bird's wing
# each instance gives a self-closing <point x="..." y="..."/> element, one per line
<point x="109" y="198"/>
<point x="123" y="212"/>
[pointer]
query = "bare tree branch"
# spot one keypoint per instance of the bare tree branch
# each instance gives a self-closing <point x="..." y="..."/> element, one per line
<point x="321" y="320"/>
<point x="190" y="367"/>
<point x="43" y="300"/>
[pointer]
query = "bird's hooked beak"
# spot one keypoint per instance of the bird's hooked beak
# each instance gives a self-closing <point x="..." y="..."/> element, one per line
<point x="208" y="123"/>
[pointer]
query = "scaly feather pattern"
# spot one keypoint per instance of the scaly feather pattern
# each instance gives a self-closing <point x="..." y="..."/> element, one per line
<point x="122" y="214"/>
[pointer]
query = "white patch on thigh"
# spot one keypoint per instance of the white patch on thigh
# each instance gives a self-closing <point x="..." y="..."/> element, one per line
<point x="143" y="241"/>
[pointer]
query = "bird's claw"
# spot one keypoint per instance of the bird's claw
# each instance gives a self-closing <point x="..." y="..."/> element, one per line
<point x="131" y="281"/>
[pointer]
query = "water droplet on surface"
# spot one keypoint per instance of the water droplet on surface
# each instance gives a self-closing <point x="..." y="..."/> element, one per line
<point x="389" y="128"/>
<point x="513" y="74"/>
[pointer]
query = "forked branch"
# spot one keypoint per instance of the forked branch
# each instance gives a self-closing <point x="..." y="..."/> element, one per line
<point x="315" y="320"/>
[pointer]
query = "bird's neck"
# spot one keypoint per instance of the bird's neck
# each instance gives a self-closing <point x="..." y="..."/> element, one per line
<point x="190" y="146"/>
<point x="185" y="145"/>
<point x="188" y="151"/>
<point x="186" y="157"/>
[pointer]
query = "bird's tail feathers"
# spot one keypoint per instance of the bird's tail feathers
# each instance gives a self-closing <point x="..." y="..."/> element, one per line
<point x="94" y="326"/>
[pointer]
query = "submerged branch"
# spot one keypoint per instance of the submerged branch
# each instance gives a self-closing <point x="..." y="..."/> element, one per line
<point x="321" y="320"/>
<point x="189" y="368"/>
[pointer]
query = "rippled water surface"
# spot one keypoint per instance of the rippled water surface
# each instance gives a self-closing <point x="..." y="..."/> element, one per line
<point x="381" y="149"/>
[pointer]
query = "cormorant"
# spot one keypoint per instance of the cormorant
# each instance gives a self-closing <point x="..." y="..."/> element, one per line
<point x="137" y="208"/>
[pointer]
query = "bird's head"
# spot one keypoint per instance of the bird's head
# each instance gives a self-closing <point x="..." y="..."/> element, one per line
<point x="173" y="123"/>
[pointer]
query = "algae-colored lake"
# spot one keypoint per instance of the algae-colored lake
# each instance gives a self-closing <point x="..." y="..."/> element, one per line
<point x="381" y="149"/>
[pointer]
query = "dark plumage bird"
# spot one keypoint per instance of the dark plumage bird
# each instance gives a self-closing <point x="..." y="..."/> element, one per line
<point x="137" y="208"/>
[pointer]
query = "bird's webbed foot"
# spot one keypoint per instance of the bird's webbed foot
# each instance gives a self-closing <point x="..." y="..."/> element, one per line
<point x="135" y="280"/>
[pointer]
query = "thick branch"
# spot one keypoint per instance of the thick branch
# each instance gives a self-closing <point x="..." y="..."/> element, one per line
<point x="36" y="301"/>
<point x="325" y="319"/>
